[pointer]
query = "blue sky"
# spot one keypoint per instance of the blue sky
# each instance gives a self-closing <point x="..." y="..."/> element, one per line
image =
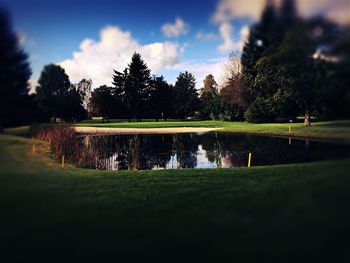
<point x="91" y="38"/>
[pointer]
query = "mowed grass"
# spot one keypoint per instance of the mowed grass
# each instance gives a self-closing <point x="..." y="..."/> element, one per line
<point x="291" y="212"/>
<point x="339" y="130"/>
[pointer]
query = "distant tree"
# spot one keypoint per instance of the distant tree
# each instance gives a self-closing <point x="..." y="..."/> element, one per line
<point x="210" y="99"/>
<point x="263" y="36"/>
<point x="186" y="96"/>
<point x="102" y="102"/>
<point x="133" y="86"/>
<point x="14" y="75"/>
<point x="161" y="98"/>
<point x="233" y="92"/>
<point x="123" y="98"/>
<point x="53" y="85"/>
<point x="73" y="102"/>
<point x="312" y="74"/>
<point x="336" y="81"/>
<point x="84" y="87"/>
<point x="288" y="14"/>
<point x="56" y="97"/>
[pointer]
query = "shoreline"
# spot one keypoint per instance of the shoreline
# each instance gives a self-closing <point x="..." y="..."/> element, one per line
<point x="120" y="131"/>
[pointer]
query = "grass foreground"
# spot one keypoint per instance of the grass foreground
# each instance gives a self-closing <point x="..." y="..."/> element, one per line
<point x="285" y="213"/>
<point x="336" y="130"/>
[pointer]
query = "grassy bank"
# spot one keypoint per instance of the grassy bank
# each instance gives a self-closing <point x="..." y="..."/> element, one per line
<point x="333" y="130"/>
<point x="338" y="130"/>
<point x="263" y="213"/>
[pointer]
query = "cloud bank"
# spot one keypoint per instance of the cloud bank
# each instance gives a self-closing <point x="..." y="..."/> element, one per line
<point x="229" y="44"/>
<point x="228" y="10"/>
<point x="97" y="59"/>
<point x="336" y="10"/>
<point x="200" y="69"/>
<point x="178" y="28"/>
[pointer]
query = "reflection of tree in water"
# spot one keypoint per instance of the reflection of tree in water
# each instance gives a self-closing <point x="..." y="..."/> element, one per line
<point x="134" y="153"/>
<point x="222" y="149"/>
<point x="225" y="150"/>
<point x="157" y="150"/>
<point x="143" y="152"/>
<point x="213" y="146"/>
<point x="234" y="149"/>
<point x="96" y="151"/>
<point x="186" y="146"/>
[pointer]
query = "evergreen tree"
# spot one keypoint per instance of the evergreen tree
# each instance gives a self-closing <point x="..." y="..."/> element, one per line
<point x="288" y="13"/>
<point x="269" y="94"/>
<point x="14" y="76"/>
<point x="210" y="99"/>
<point x="186" y="96"/>
<point x="138" y="87"/>
<point x="122" y="99"/>
<point x="263" y="36"/>
<point x="133" y="85"/>
<point x="161" y="98"/>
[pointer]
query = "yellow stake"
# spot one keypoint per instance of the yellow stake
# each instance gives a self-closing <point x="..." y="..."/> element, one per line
<point x="290" y="128"/>
<point x="290" y="140"/>
<point x="33" y="148"/>
<point x="62" y="161"/>
<point x="249" y="159"/>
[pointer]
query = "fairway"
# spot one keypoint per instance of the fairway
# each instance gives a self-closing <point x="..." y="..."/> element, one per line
<point x="194" y="215"/>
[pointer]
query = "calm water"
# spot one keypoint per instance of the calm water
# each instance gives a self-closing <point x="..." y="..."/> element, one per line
<point x="208" y="150"/>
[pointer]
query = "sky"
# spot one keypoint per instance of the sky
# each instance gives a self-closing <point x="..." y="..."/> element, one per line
<point x="91" y="38"/>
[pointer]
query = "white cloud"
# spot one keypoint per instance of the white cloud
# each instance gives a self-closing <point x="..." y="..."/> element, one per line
<point x="244" y="34"/>
<point x="229" y="44"/>
<point x="229" y="9"/>
<point x="206" y="36"/>
<point x="97" y="59"/>
<point x="337" y="10"/>
<point x="200" y="69"/>
<point x="176" y="29"/>
<point x="226" y="34"/>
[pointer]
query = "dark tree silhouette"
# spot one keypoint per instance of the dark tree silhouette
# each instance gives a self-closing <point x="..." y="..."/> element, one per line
<point x="262" y="36"/>
<point x="133" y="86"/>
<point x="123" y="101"/>
<point x="84" y="87"/>
<point x="102" y="102"/>
<point x="186" y="96"/>
<point x="161" y="98"/>
<point x="56" y="97"/>
<point x="210" y="99"/>
<point x="288" y="13"/>
<point x="14" y="75"/>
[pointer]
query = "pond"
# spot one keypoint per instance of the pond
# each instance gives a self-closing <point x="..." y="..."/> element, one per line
<point x="206" y="150"/>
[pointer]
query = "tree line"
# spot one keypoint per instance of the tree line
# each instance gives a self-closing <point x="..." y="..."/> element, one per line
<point x="289" y="66"/>
<point x="134" y="94"/>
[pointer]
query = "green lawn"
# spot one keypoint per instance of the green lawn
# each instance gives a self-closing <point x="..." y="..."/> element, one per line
<point x="323" y="130"/>
<point x="292" y="212"/>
